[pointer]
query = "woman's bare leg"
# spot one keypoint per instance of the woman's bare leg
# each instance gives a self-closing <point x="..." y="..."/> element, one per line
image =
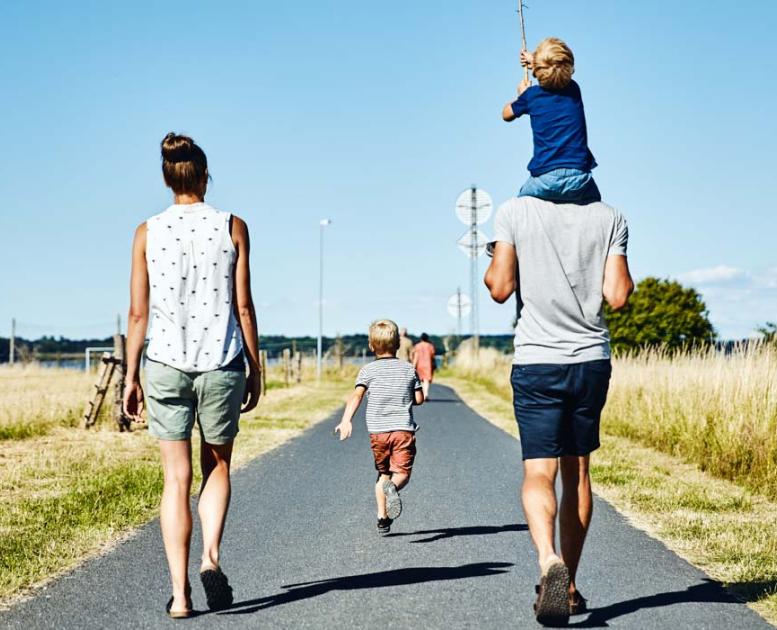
<point x="425" y="388"/>
<point x="176" y="516"/>
<point x="215" y="493"/>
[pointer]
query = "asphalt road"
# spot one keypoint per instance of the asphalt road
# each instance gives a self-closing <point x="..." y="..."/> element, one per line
<point x="301" y="550"/>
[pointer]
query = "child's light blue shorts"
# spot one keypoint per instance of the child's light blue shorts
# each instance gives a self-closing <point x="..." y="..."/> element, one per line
<point x="563" y="185"/>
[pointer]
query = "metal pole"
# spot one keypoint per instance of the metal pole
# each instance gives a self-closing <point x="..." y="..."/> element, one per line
<point x="474" y="264"/>
<point x="319" y="347"/>
<point x="118" y="323"/>
<point x="12" y="348"/>
<point x="458" y="313"/>
<point x="320" y="300"/>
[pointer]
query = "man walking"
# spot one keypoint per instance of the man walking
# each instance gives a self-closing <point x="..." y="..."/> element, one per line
<point x="405" y="351"/>
<point x="570" y="257"/>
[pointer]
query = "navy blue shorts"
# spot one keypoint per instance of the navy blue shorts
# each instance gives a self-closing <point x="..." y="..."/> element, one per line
<point x="558" y="407"/>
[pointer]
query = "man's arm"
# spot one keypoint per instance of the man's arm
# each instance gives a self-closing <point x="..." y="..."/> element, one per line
<point x="500" y="275"/>
<point x="618" y="285"/>
<point x="352" y="406"/>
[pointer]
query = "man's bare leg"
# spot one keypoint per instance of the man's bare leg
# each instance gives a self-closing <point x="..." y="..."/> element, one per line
<point x="575" y="513"/>
<point x="539" y="505"/>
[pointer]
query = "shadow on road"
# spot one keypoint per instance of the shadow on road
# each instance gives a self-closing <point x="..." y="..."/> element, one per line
<point x="452" y="532"/>
<point x="398" y="577"/>
<point x="706" y="592"/>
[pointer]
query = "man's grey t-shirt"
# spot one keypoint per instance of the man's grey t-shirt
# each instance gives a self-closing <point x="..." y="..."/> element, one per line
<point x="561" y="250"/>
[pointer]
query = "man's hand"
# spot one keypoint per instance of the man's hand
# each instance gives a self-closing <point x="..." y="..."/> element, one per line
<point x="527" y="58"/>
<point x="344" y="429"/>
<point x="133" y="401"/>
<point x="253" y="388"/>
<point x="524" y="85"/>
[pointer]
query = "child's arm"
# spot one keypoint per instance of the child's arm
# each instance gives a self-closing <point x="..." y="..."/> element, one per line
<point x="508" y="112"/>
<point x="352" y="406"/>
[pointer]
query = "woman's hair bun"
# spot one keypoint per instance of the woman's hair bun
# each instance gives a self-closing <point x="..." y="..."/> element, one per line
<point x="184" y="165"/>
<point x="177" y="148"/>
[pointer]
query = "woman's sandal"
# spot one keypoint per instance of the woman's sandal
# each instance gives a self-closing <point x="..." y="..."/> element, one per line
<point x="218" y="592"/>
<point x="181" y="614"/>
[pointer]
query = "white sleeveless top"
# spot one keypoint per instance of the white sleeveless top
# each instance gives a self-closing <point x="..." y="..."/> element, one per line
<point x="191" y="258"/>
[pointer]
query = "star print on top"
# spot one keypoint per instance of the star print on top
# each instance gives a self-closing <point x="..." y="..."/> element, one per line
<point x="191" y="258"/>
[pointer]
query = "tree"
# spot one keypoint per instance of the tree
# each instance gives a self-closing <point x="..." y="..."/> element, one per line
<point x="660" y="313"/>
<point x="769" y="332"/>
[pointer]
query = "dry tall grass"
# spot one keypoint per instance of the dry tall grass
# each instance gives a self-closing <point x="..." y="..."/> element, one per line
<point x="33" y="399"/>
<point x="718" y="411"/>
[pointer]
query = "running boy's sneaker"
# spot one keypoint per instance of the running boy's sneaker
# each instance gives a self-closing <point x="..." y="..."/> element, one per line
<point x="384" y="525"/>
<point x="393" y="502"/>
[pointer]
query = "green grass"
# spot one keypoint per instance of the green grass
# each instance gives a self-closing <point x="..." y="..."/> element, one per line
<point x="67" y="493"/>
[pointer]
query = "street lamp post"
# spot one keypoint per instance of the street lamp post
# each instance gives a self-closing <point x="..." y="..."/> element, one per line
<point x="319" y="356"/>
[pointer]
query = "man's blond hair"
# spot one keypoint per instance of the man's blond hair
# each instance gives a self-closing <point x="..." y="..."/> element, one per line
<point x="384" y="336"/>
<point x="554" y="64"/>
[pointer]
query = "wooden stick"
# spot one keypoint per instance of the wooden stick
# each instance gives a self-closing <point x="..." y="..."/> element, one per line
<point x="523" y="38"/>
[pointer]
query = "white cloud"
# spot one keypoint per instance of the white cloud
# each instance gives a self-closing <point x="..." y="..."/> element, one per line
<point x="738" y="300"/>
<point x="722" y="274"/>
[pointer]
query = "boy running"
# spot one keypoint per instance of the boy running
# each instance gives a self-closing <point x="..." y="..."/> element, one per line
<point x="393" y="388"/>
<point x="562" y="163"/>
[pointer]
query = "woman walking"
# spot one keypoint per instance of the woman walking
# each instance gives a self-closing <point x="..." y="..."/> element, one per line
<point x="191" y="282"/>
<point x="423" y="360"/>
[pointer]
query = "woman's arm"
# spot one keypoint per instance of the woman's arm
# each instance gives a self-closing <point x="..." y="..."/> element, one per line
<point x="136" y="327"/>
<point x="246" y="313"/>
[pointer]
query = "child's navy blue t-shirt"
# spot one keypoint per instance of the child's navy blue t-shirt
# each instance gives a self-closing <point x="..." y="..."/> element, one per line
<point x="558" y="126"/>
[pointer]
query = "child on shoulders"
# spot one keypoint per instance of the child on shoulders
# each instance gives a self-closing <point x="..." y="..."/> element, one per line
<point x="562" y="163"/>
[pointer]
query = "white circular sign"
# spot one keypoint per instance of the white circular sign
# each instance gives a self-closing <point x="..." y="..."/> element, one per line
<point x="459" y="304"/>
<point x="478" y="204"/>
<point x="473" y="245"/>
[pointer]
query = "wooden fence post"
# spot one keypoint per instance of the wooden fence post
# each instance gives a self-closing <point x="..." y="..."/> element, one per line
<point x="100" y="388"/>
<point x="263" y="376"/>
<point x="298" y="364"/>
<point x="287" y="366"/>
<point x="120" y="360"/>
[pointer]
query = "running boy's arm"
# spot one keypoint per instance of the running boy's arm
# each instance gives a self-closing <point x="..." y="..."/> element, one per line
<point x="352" y="406"/>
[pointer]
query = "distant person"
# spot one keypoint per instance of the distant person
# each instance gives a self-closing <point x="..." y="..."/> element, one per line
<point x="190" y="278"/>
<point x="423" y="359"/>
<point x="392" y="388"/>
<point x="405" y="351"/>
<point x="571" y="257"/>
<point x="562" y="163"/>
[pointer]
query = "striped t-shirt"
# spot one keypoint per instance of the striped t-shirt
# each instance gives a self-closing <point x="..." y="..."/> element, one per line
<point x="391" y="385"/>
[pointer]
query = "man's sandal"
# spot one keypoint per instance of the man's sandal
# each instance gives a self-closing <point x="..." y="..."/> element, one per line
<point x="552" y="607"/>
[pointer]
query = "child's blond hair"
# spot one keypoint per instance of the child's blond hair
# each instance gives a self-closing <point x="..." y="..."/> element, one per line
<point x="384" y="336"/>
<point x="554" y="64"/>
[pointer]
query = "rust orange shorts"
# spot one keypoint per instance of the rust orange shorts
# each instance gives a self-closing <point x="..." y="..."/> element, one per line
<point x="394" y="452"/>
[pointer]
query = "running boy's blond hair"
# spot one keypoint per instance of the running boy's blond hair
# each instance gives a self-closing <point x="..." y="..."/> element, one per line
<point x="553" y="64"/>
<point x="384" y="336"/>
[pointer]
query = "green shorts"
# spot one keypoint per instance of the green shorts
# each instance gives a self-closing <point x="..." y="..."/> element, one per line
<point x="174" y="400"/>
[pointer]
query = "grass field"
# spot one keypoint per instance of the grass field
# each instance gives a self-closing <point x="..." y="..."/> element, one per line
<point x="710" y="493"/>
<point x="66" y="493"/>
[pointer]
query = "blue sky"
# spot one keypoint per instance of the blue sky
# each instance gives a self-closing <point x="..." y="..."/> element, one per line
<point x="376" y="115"/>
